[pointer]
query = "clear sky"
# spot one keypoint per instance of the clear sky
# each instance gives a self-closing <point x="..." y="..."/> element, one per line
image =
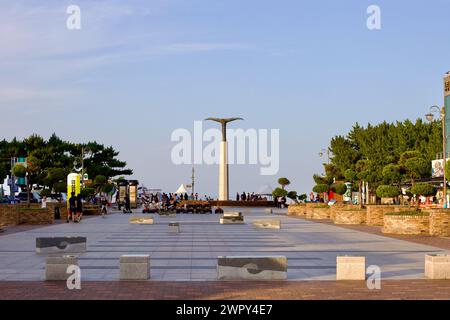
<point x="137" y="70"/>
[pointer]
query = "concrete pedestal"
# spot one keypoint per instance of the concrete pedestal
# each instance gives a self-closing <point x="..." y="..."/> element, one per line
<point x="61" y="245"/>
<point x="350" y="268"/>
<point x="134" y="267"/>
<point x="268" y="224"/>
<point x="174" y="227"/>
<point x="56" y="267"/>
<point x="437" y="266"/>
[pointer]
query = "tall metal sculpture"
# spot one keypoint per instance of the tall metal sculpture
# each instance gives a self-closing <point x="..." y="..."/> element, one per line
<point x="223" y="165"/>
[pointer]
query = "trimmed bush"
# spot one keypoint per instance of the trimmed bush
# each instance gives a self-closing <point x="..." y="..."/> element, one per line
<point x="385" y="191"/>
<point x="423" y="189"/>
<point x="339" y="188"/>
<point x="321" y="188"/>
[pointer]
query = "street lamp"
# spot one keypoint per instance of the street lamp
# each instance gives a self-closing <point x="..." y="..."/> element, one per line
<point x="430" y="117"/>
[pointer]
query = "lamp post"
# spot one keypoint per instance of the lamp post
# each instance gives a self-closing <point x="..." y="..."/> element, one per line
<point x="430" y="116"/>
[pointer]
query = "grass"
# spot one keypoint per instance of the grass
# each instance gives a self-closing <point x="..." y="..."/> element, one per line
<point x="415" y="213"/>
<point x="323" y="206"/>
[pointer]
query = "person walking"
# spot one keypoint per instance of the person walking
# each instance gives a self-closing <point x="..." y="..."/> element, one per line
<point x="104" y="204"/>
<point x="79" y="208"/>
<point x="72" y="207"/>
<point x="127" y="204"/>
<point x="237" y="196"/>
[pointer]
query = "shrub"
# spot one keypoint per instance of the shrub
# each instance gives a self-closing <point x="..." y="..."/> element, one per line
<point x="423" y="189"/>
<point x="385" y="191"/>
<point x="19" y="171"/>
<point x="45" y="193"/>
<point x="292" y="195"/>
<point x="339" y="188"/>
<point x="59" y="187"/>
<point x="321" y="188"/>
<point x="278" y="192"/>
<point x="283" y="182"/>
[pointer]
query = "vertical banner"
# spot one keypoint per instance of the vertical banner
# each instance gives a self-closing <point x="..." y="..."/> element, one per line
<point x="348" y="193"/>
<point x="73" y="185"/>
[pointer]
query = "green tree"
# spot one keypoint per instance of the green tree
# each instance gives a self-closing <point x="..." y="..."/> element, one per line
<point x="292" y="195"/>
<point x="321" y="188"/>
<point x="279" y="192"/>
<point x="423" y="189"/>
<point x="387" y="191"/>
<point x="283" y="182"/>
<point x="339" y="188"/>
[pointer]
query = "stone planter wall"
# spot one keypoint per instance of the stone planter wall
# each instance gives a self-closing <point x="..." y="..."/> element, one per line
<point x="375" y="213"/>
<point x="352" y="216"/>
<point x="406" y="224"/>
<point x="439" y="222"/>
<point x="8" y="215"/>
<point x="340" y="206"/>
<point x="35" y="216"/>
<point x="319" y="213"/>
<point x="297" y="209"/>
<point x="62" y="209"/>
<point x="12" y="215"/>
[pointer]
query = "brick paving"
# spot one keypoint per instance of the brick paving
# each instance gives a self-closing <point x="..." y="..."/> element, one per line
<point x="227" y="290"/>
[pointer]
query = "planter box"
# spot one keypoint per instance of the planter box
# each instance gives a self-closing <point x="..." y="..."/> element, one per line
<point x="375" y="213"/>
<point x="297" y="210"/>
<point x="350" y="216"/>
<point x="406" y="224"/>
<point x="439" y="222"/>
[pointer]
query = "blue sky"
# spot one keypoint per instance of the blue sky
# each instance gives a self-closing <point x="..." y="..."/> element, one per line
<point x="137" y="70"/>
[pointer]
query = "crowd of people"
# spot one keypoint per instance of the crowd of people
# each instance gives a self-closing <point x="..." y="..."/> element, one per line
<point x="249" y="197"/>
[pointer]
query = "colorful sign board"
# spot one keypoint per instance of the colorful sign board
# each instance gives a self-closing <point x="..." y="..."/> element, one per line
<point x="437" y="168"/>
<point x="73" y="184"/>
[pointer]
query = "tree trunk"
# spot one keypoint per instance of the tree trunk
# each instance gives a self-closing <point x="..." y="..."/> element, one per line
<point x="360" y="194"/>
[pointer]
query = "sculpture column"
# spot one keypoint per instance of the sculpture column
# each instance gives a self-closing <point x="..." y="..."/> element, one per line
<point x="223" y="171"/>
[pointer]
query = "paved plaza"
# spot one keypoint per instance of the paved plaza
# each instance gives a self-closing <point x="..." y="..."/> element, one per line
<point x="311" y="247"/>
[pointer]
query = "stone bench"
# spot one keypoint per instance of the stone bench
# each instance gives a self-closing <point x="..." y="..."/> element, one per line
<point x="174" y="227"/>
<point x="232" y="218"/>
<point x="268" y="224"/>
<point x="137" y="220"/>
<point x="230" y="214"/>
<point x="134" y="267"/>
<point x="437" y="266"/>
<point x="56" y="267"/>
<point x="167" y="214"/>
<point x="251" y="268"/>
<point x="61" y="245"/>
<point x="350" y="268"/>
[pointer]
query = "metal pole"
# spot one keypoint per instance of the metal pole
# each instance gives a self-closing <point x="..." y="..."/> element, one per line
<point x="193" y="181"/>
<point x="444" y="136"/>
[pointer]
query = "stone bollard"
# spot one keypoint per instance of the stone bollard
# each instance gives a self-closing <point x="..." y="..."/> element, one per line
<point x="56" y="267"/>
<point x="134" y="267"/>
<point x="61" y="245"/>
<point x="251" y="268"/>
<point x="174" y="227"/>
<point x="350" y="268"/>
<point x="437" y="266"/>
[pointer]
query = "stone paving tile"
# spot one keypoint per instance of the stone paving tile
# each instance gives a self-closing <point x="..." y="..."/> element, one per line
<point x="317" y="244"/>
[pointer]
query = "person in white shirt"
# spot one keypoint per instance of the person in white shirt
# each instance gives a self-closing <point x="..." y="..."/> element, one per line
<point x="44" y="202"/>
